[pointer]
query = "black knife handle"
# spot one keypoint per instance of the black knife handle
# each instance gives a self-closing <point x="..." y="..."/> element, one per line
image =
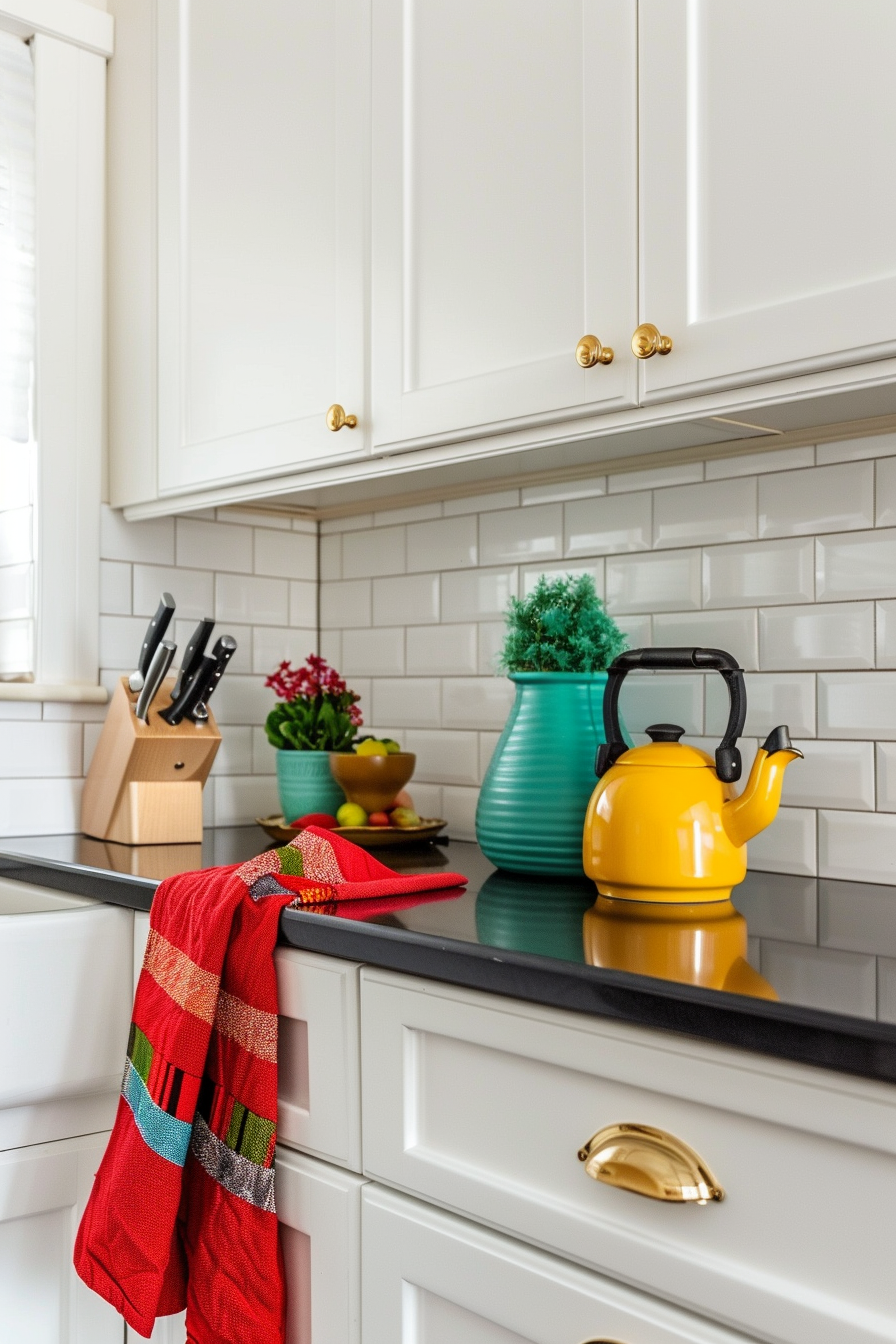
<point x="158" y="671"/>
<point x="191" y="694"/>
<point x="192" y="653"/>
<point x="155" y="632"/>
<point x="222" y="653"/>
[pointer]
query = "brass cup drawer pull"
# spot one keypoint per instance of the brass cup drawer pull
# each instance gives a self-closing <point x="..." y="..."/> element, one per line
<point x="648" y="342"/>
<point x="337" y="418"/>
<point x="589" y="352"/>
<point x="649" y="1162"/>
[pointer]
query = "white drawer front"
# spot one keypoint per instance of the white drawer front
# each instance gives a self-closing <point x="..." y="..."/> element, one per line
<point x="319" y="1107"/>
<point x="431" y="1278"/>
<point x="481" y="1104"/>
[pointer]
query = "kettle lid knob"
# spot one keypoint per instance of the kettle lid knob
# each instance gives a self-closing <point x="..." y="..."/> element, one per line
<point x="664" y="732"/>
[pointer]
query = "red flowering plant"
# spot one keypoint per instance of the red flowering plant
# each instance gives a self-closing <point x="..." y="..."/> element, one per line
<point x="318" y="712"/>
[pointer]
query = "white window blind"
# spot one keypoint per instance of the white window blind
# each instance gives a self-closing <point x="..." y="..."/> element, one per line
<point x="17" y="346"/>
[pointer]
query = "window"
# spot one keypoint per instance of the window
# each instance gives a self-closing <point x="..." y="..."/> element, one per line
<point x="17" y="345"/>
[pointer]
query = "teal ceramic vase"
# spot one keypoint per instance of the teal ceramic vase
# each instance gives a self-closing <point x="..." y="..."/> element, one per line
<point x="532" y="803"/>
<point x="305" y="784"/>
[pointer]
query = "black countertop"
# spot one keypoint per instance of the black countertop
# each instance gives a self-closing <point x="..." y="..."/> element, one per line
<point x="827" y="949"/>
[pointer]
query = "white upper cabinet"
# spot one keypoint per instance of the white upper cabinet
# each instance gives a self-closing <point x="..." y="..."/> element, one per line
<point x="504" y="213"/>
<point x="262" y="235"/>
<point x="768" y="188"/>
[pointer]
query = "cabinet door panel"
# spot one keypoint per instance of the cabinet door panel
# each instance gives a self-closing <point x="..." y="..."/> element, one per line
<point x="767" y="188"/>
<point x="504" y="211"/>
<point x="262" y="169"/>
<point x="430" y="1278"/>
<point x="43" y="1190"/>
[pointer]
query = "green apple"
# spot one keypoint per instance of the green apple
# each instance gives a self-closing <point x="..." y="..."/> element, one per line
<point x="351" y="814"/>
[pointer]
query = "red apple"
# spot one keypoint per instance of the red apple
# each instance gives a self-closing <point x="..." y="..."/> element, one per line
<point x="321" y="819"/>
<point x="378" y="819"/>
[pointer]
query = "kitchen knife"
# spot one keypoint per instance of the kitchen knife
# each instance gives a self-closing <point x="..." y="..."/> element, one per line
<point x="191" y="693"/>
<point x="192" y="653"/>
<point x="155" y="633"/>
<point x="158" y="671"/>
<point x="222" y="653"/>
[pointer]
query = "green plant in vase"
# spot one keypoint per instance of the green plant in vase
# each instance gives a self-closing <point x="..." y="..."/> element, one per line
<point x="559" y="643"/>
<point x="317" y="714"/>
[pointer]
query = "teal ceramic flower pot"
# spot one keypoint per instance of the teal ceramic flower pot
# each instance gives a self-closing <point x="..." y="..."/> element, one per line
<point x="532" y="803"/>
<point x="305" y="784"/>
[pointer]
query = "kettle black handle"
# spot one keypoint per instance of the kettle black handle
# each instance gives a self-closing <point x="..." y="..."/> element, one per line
<point x="728" y="762"/>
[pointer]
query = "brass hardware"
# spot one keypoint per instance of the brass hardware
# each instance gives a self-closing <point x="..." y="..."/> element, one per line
<point x="649" y="1162"/>
<point x="647" y="341"/>
<point x="336" y="418"/>
<point x="589" y="352"/>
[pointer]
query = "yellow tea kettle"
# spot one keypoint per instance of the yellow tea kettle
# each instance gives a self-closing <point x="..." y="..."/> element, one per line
<point x="664" y="823"/>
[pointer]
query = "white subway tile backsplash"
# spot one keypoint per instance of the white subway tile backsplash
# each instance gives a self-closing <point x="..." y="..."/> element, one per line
<point x="121" y="639"/>
<point x="444" y="543"/>
<point x="115" y="589"/>
<point x="459" y="810"/>
<point x="651" y="478"/>
<point x="286" y="555"/>
<point x="330" y="555"/>
<point x="373" y="653"/>
<point x="487" y="744"/>
<point x="496" y="499"/>
<point x="264" y="760"/>
<point x="272" y="645"/>
<point x="242" y="700"/>
<point x="856" y="565"/>
<point x="772" y="698"/>
<point x="151" y="542"/>
<point x="885" y="755"/>
<point x="477" y="595"/>
<point x="715" y="511"/>
<point x="788" y="845"/>
<point x="857" y="846"/>
<point x="444" y="757"/>
<point x="609" y="525"/>
<point x="355" y="522"/>
<point x="758" y="464"/>
<point x="234" y="755"/>
<point x="40" y="806"/>
<point x="92" y="733"/>
<point x="345" y="604"/>
<point x="192" y="589"/>
<point x="857" y="705"/>
<point x="653" y="582"/>
<point x="733" y="631"/>
<point x="885" y="493"/>
<point x="673" y="697"/>
<point x="330" y="647"/>
<point x="238" y="800"/>
<point x="516" y="536"/>
<point x="232" y="513"/>
<point x="219" y="546"/>
<point x="303" y="603"/>
<point x="248" y="599"/>
<point x="833" y="981"/>
<point x="638" y="630"/>
<point x="817" y="636"/>
<point x="413" y="702"/>
<point x="441" y="650"/>
<point x="38" y="750"/>
<point x="530" y="574"/>
<point x="411" y="599"/>
<point x="19" y="710"/>
<point x="822" y="499"/>
<point x="381" y="550"/>
<point x="758" y="573"/>
<point x="558" y="491"/>
<point x="851" y="450"/>
<point x="412" y="513"/>
<point x="491" y="641"/>
<point x="427" y="799"/>
<point x="833" y="774"/>
<point x="886" y="634"/>
<point x="476" y="702"/>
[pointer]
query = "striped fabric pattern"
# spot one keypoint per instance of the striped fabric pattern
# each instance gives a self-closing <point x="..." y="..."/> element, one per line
<point x="163" y="1133"/>
<point x="254" y="1030"/>
<point x="189" y="985"/>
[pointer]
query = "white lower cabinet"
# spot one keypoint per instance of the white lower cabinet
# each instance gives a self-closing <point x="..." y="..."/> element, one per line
<point x="43" y="1191"/>
<point x="432" y="1278"/>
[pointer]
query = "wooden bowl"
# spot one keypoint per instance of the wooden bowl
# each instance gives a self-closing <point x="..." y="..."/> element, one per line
<point x="372" y="781"/>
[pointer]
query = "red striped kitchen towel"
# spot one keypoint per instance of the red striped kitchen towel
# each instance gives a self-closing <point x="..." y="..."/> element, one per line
<point x="182" y="1209"/>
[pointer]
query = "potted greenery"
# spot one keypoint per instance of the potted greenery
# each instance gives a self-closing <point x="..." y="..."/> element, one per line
<point x="559" y="643"/>
<point x="317" y="714"/>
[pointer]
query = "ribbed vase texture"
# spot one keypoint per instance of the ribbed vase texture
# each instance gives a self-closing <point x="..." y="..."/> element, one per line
<point x="305" y="784"/>
<point x="533" y="799"/>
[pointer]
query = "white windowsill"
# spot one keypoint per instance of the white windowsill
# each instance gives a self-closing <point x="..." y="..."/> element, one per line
<point x="68" y="693"/>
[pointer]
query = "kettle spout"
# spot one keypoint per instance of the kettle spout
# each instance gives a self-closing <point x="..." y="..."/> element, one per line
<point x="747" y="815"/>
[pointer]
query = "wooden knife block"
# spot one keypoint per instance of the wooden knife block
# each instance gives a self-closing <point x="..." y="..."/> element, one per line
<point x="144" y="785"/>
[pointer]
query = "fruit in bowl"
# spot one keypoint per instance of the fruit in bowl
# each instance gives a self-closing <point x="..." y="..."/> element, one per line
<point x="374" y="774"/>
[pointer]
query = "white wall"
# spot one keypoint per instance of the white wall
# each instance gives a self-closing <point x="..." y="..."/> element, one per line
<point x="787" y="560"/>
<point x="257" y="575"/>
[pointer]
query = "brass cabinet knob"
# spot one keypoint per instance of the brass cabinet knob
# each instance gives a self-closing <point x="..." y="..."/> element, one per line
<point x="649" y="1162"/>
<point x="337" y="418"/>
<point x="647" y="342"/>
<point x="589" y="352"/>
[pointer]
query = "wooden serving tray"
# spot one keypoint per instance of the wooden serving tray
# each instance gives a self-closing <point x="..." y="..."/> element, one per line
<point x="368" y="837"/>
